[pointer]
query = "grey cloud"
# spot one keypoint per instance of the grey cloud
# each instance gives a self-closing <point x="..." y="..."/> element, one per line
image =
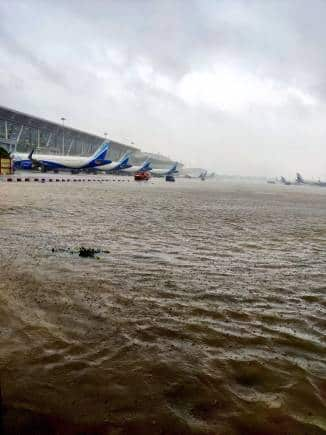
<point x="15" y="50"/>
<point x="86" y="56"/>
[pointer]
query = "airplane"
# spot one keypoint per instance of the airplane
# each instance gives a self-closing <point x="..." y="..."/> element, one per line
<point x="54" y="162"/>
<point x="284" y="181"/>
<point x="144" y="167"/>
<point x="202" y="175"/>
<point x="300" y="180"/>
<point x="121" y="164"/>
<point x="165" y="172"/>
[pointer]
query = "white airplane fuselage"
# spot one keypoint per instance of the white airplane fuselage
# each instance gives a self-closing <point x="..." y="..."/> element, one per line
<point x="164" y="172"/>
<point x="56" y="162"/>
<point x="109" y="167"/>
<point x="132" y="169"/>
<point x="144" y="167"/>
<point x="72" y="162"/>
<point x="119" y="165"/>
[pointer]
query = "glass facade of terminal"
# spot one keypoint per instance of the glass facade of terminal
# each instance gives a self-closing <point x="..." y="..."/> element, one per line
<point x="21" y="132"/>
<point x="52" y="138"/>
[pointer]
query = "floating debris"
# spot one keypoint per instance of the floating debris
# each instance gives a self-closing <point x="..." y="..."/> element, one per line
<point x="82" y="251"/>
<point x="88" y="252"/>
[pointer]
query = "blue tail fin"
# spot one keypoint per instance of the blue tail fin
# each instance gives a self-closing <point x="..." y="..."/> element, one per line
<point x="146" y="166"/>
<point x="101" y="152"/>
<point x="124" y="160"/>
<point x="299" y="179"/>
<point x="173" y="170"/>
<point x="125" y="155"/>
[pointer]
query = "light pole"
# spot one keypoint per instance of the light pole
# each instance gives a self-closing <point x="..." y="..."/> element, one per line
<point x="106" y="136"/>
<point x="63" y="135"/>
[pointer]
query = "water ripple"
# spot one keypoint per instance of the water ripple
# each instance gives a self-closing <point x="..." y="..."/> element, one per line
<point x="206" y="313"/>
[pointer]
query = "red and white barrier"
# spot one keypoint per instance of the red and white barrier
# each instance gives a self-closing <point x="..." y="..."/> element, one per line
<point x="22" y="179"/>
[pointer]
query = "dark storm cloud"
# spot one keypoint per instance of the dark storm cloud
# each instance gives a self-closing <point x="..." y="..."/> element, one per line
<point x="240" y="77"/>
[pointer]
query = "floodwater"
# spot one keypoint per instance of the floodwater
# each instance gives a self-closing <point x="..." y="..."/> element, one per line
<point x="206" y="316"/>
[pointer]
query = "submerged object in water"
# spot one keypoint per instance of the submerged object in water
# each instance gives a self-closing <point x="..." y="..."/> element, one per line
<point x="87" y="252"/>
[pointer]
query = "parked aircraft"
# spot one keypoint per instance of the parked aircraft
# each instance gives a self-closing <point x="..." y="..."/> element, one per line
<point x="203" y="175"/>
<point x="122" y="163"/>
<point x="57" y="162"/>
<point x="144" y="167"/>
<point x="190" y="174"/>
<point x="284" y="181"/>
<point x="165" y="172"/>
<point x="300" y="180"/>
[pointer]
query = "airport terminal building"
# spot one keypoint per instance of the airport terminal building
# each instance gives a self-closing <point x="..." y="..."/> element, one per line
<point x="22" y="132"/>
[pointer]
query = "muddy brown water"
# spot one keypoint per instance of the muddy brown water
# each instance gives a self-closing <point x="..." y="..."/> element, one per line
<point x="206" y="316"/>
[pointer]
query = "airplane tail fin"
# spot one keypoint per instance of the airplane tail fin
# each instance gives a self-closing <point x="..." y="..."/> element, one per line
<point x="285" y="181"/>
<point x="173" y="169"/>
<point x="146" y="166"/>
<point x="123" y="161"/>
<point x="101" y="152"/>
<point x="203" y="174"/>
<point x="299" y="179"/>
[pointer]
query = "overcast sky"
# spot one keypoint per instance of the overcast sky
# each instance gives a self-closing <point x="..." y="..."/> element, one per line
<point x="235" y="86"/>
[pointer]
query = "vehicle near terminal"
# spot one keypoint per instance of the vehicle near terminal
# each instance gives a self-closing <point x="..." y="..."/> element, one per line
<point x="55" y="163"/>
<point x="165" y="172"/>
<point x="170" y="178"/>
<point x="142" y="176"/>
